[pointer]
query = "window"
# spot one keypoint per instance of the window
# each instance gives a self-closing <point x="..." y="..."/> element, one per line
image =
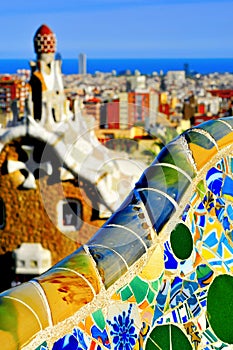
<point x="69" y="215"/>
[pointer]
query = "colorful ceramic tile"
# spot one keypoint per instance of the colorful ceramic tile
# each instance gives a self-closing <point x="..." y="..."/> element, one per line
<point x="122" y="240"/>
<point x="76" y="340"/>
<point x="154" y="267"/>
<point x="225" y="165"/>
<point x="220" y="307"/>
<point x="144" y="331"/>
<point x="128" y="246"/>
<point x="214" y="181"/>
<point x="110" y="265"/>
<point x="158" y="206"/>
<point x="229" y="121"/>
<point x="172" y="181"/>
<point x="82" y="263"/>
<point x="18" y="322"/>
<point x="95" y="327"/>
<point x="227" y="188"/>
<point x="176" y="153"/>
<point x="130" y="217"/>
<point x="204" y="275"/>
<point x="180" y="296"/>
<point x="201" y="189"/>
<point x="66" y="291"/>
<point x="124" y="325"/>
<point x="193" y="333"/>
<point x="181" y="241"/>
<point x="167" y="337"/>
<point x="220" y="131"/>
<point x="201" y="146"/>
<point x="170" y="261"/>
<point x="43" y="346"/>
<point x="31" y="296"/>
<point x="143" y="293"/>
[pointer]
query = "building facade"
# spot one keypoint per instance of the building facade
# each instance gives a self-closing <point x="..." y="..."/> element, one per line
<point x="82" y="63"/>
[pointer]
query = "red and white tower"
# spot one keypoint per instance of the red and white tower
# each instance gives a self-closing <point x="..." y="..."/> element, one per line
<point x="49" y="104"/>
<point x="44" y="41"/>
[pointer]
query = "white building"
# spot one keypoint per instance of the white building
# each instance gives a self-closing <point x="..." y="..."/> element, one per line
<point x="176" y="77"/>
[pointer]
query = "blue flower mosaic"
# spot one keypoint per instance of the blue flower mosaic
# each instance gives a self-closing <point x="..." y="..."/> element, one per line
<point x="123" y="331"/>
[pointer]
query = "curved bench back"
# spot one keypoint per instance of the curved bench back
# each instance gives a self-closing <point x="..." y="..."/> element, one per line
<point x="157" y="275"/>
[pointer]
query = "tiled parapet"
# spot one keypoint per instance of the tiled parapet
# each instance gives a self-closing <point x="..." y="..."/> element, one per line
<point x="69" y="285"/>
<point x="220" y="130"/>
<point x="24" y="313"/>
<point x="47" y="300"/>
<point x="157" y="275"/>
<point x="128" y="230"/>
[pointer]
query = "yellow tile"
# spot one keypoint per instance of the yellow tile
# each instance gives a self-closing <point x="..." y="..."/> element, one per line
<point x="31" y="296"/>
<point x="19" y="323"/>
<point x="66" y="292"/>
<point x="201" y="155"/>
<point x="83" y="264"/>
<point x="225" y="140"/>
<point x="8" y="342"/>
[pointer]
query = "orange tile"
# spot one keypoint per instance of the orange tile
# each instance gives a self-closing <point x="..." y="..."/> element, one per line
<point x="201" y="155"/>
<point x="66" y="292"/>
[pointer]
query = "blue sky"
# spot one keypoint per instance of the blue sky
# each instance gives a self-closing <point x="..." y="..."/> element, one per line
<point x="120" y="28"/>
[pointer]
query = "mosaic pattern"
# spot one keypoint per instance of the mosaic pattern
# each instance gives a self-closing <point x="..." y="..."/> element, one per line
<point x="157" y="275"/>
<point x="44" y="40"/>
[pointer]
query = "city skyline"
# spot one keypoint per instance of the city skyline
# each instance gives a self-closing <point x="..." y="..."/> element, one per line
<point x="121" y="29"/>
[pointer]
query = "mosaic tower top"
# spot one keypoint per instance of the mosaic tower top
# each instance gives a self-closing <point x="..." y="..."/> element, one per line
<point x="44" y="40"/>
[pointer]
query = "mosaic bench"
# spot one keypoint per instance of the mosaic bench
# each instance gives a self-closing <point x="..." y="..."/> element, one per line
<point x="157" y="275"/>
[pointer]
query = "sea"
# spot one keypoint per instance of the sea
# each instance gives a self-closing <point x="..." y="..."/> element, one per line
<point x="121" y="65"/>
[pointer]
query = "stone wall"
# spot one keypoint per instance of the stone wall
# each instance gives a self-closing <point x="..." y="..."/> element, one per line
<point x="31" y="214"/>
